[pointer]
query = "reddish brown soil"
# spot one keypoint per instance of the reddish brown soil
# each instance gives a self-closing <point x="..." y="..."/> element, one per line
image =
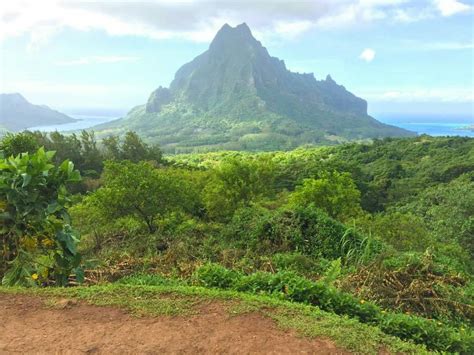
<point x="27" y="326"/>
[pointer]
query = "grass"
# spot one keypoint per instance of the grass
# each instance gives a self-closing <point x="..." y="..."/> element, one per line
<point x="179" y="300"/>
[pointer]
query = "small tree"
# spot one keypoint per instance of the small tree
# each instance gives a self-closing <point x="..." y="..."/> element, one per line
<point x="37" y="243"/>
<point x="14" y="144"/>
<point x="335" y="193"/>
<point x="235" y="183"/>
<point x="139" y="190"/>
<point x="132" y="148"/>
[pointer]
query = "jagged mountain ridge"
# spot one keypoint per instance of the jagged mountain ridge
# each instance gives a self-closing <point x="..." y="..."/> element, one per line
<point x="236" y="96"/>
<point x="16" y="113"/>
<point x="236" y="61"/>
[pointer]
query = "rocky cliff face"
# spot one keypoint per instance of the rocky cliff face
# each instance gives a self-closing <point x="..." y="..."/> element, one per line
<point x="237" y="67"/>
<point x="158" y="98"/>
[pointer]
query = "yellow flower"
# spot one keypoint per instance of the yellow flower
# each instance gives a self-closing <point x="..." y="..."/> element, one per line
<point x="362" y="301"/>
<point x="47" y="242"/>
<point x="29" y="243"/>
<point x="34" y="276"/>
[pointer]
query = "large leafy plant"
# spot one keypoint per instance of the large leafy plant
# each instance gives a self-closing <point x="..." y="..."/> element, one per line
<point x="37" y="244"/>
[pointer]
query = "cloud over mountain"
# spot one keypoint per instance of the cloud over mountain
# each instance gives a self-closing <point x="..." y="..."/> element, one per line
<point x="198" y="20"/>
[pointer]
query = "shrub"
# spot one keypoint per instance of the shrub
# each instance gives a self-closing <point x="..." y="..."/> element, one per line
<point x="429" y="332"/>
<point x="416" y="283"/>
<point x="214" y="275"/>
<point x="403" y="231"/>
<point x="299" y="263"/>
<point x="236" y="182"/>
<point x="15" y="144"/>
<point x="148" y="280"/>
<point x="36" y="241"/>
<point x="306" y="230"/>
<point x="153" y="193"/>
<point x="288" y="285"/>
<point x="335" y="193"/>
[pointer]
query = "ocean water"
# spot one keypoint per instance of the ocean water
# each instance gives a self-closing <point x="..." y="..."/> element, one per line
<point x="83" y="123"/>
<point x="432" y="125"/>
<point x="436" y="128"/>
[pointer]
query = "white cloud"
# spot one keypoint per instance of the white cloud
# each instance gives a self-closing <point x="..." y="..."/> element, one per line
<point x="458" y="95"/>
<point x="97" y="60"/>
<point x="451" y="7"/>
<point x="409" y="15"/>
<point x="198" y="20"/>
<point x="41" y="36"/>
<point x="368" y="55"/>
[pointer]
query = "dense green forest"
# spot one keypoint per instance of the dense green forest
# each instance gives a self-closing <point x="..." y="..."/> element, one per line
<point x="382" y="232"/>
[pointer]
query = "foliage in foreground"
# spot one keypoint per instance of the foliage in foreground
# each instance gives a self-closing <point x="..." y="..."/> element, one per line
<point x="388" y="222"/>
<point x="416" y="283"/>
<point x="287" y="285"/>
<point x="37" y="242"/>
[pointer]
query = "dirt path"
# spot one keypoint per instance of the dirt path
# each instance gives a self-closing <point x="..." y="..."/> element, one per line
<point x="27" y="326"/>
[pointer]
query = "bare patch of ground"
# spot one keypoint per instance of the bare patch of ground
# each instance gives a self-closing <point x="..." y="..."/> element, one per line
<point x="28" y="326"/>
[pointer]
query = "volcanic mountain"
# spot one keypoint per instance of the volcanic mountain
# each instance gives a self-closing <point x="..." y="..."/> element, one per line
<point x="236" y="96"/>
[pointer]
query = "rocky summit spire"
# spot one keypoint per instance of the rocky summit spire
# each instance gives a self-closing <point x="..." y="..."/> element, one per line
<point x="233" y="37"/>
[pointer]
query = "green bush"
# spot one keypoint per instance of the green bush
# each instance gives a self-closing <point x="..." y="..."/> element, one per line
<point x="306" y="230"/>
<point x="299" y="263"/>
<point x="335" y="193"/>
<point x="288" y="285"/>
<point x="15" y="144"/>
<point x="37" y="244"/>
<point x="433" y="334"/>
<point x="237" y="182"/>
<point x="403" y="231"/>
<point x="214" y="275"/>
<point x="142" y="191"/>
<point x="148" y="280"/>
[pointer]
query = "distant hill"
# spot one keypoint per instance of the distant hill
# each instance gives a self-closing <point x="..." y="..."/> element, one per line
<point x="16" y="114"/>
<point x="236" y="96"/>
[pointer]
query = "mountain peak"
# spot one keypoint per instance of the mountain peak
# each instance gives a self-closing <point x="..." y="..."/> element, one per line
<point x="232" y="36"/>
<point x="13" y="97"/>
<point x="243" y="28"/>
<point x="16" y="113"/>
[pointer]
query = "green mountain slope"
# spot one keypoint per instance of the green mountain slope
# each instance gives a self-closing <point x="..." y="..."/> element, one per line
<point x="236" y="96"/>
<point x="16" y="114"/>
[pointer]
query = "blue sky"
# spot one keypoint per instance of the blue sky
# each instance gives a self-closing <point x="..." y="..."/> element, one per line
<point x="403" y="57"/>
